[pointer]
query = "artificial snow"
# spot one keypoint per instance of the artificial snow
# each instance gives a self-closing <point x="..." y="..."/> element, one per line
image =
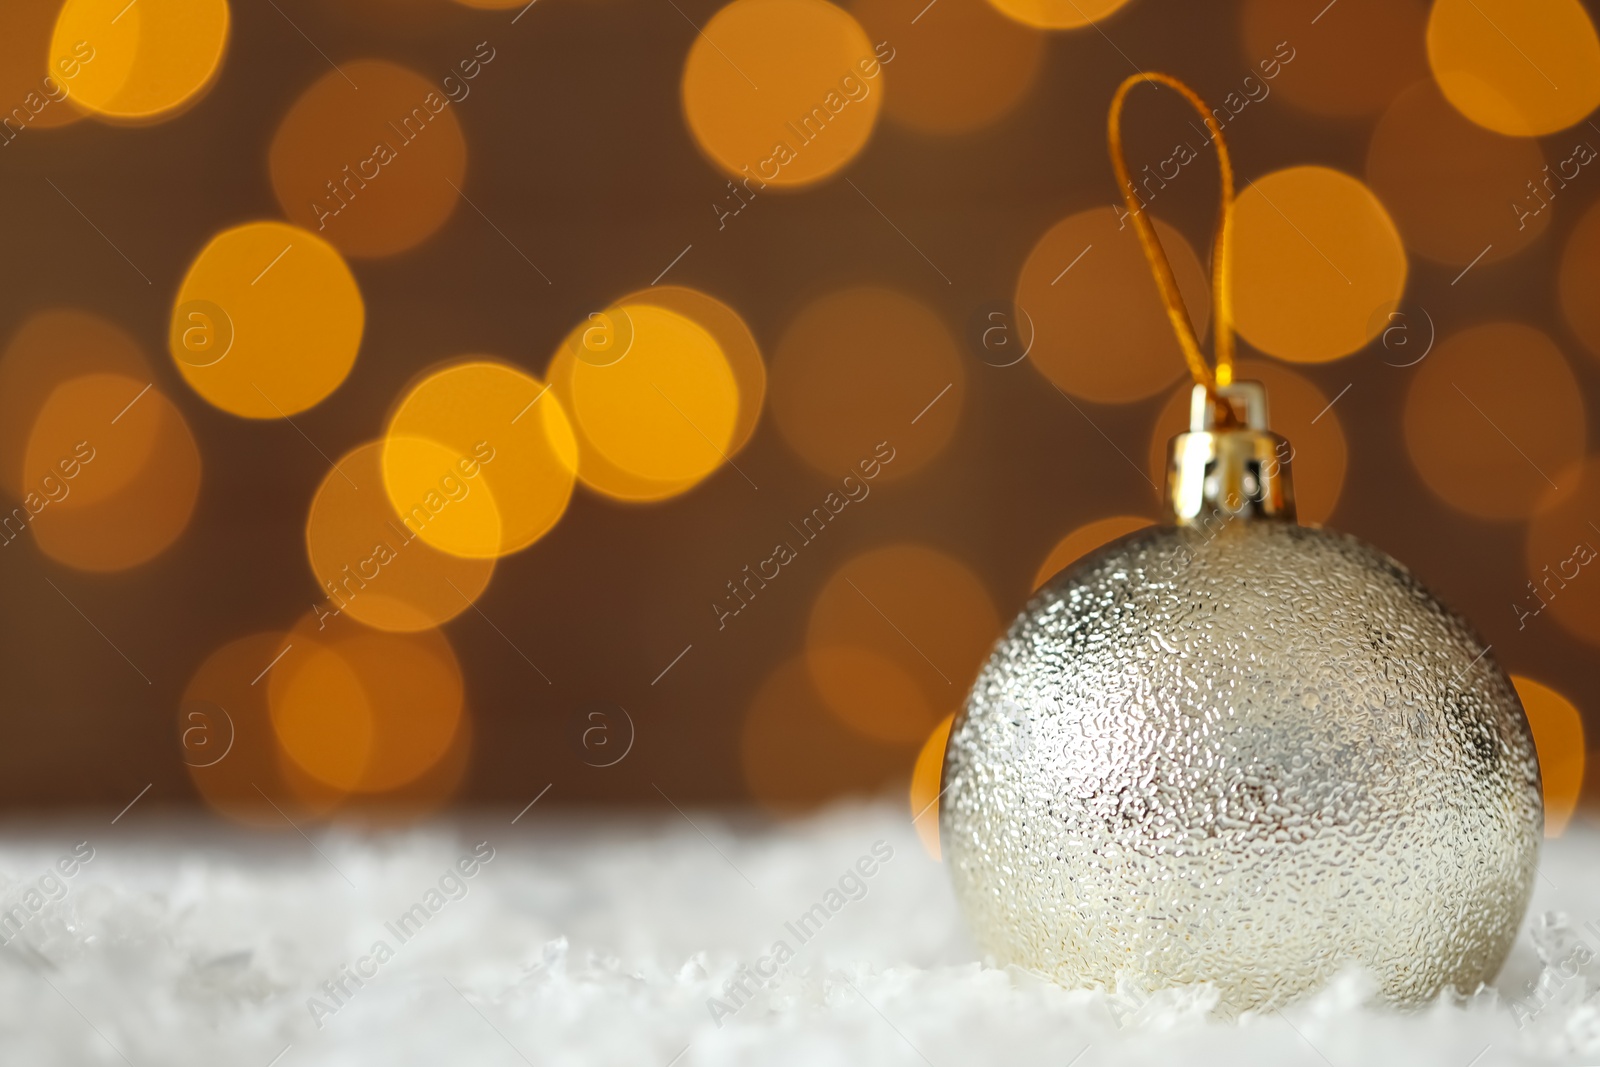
<point x="169" y="940"/>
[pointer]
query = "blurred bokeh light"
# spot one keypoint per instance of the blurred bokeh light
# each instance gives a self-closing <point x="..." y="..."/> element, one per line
<point x="1579" y="280"/>
<point x="719" y="353"/>
<point x="1558" y="737"/>
<point x="267" y="322"/>
<point x="1318" y="264"/>
<point x="1563" y="539"/>
<point x="50" y="348"/>
<point x="138" y="62"/>
<point x="1514" y="66"/>
<point x="362" y="710"/>
<point x="1454" y="188"/>
<point x="783" y="92"/>
<point x="226" y="738"/>
<point x="371" y="561"/>
<point x="1058" y="14"/>
<point x="1344" y="61"/>
<point x="927" y="778"/>
<point x="26" y="27"/>
<point x="1099" y="330"/>
<point x="652" y="395"/>
<point x="969" y="67"/>
<point x="478" y="460"/>
<point x="1491" y="416"/>
<point x="118" y="467"/>
<point x="895" y="639"/>
<point x="1084" y="540"/>
<point x="862" y="367"/>
<point x="371" y="157"/>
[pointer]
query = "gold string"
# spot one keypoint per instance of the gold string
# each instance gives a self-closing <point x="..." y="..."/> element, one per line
<point x="1222" y="244"/>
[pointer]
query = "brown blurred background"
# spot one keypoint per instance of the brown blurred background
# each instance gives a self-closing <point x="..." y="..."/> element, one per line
<point x="583" y="181"/>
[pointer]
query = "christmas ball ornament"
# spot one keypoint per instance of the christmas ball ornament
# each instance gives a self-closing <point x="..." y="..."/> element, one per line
<point x="1239" y="751"/>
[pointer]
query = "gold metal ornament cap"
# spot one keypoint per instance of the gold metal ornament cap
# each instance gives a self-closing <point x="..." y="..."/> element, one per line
<point x="1229" y="465"/>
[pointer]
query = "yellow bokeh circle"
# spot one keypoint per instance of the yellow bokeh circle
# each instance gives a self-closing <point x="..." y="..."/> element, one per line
<point x="491" y="442"/>
<point x="267" y="322"/>
<point x="607" y="337"/>
<point x="665" y="412"/>
<point x="1316" y="261"/>
<point x="783" y="92"/>
<point x="1058" y="14"/>
<point x="139" y="61"/>
<point x="1519" y="67"/>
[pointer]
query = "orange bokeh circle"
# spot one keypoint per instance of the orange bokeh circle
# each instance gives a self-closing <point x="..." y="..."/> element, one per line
<point x="1492" y="415"/>
<point x="370" y="560"/>
<point x="370" y="157"/>
<point x="485" y="423"/>
<point x="51" y="347"/>
<point x="927" y="778"/>
<point x="1317" y="261"/>
<point x="1084" y="540"/>
<point x="1453" y="187"/>
<point x="782" y="92"/>
<point x="227" y="744"/>
<point x="1058" y="14"/>
<point x="361" y="710"/>
<point x="863" y="372"/>
<point x="795" y="755"/>
<point x="28" y="80"/>
<point x="1345" y="60"/>
<point x="267" y="321"/>
<point x="1579" y="280"/>
<point x="895" y="638"/>
<point x="115" y="471"/>
<point x="1514" y="66"/>
<point x="1558" y="738"/>
<point x="581" y="350"/>
<point x="1100" y="331"/>
<point x="1562" y="548"/>
<point x="1299" y="412"/>
<point x="970" y="64"/>
<point x="140" y="63"/>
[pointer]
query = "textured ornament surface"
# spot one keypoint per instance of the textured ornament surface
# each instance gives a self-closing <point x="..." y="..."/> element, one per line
<point x="1248" y="756"/>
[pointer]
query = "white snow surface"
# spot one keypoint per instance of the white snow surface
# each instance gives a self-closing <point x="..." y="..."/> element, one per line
<point x="611" y="939"/>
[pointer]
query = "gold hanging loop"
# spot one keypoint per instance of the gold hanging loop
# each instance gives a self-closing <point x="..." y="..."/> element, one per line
<point x="1221" y="251"/>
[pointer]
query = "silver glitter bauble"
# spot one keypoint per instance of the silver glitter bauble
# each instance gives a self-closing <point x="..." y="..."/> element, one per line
<point x="1243" y="752"/>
